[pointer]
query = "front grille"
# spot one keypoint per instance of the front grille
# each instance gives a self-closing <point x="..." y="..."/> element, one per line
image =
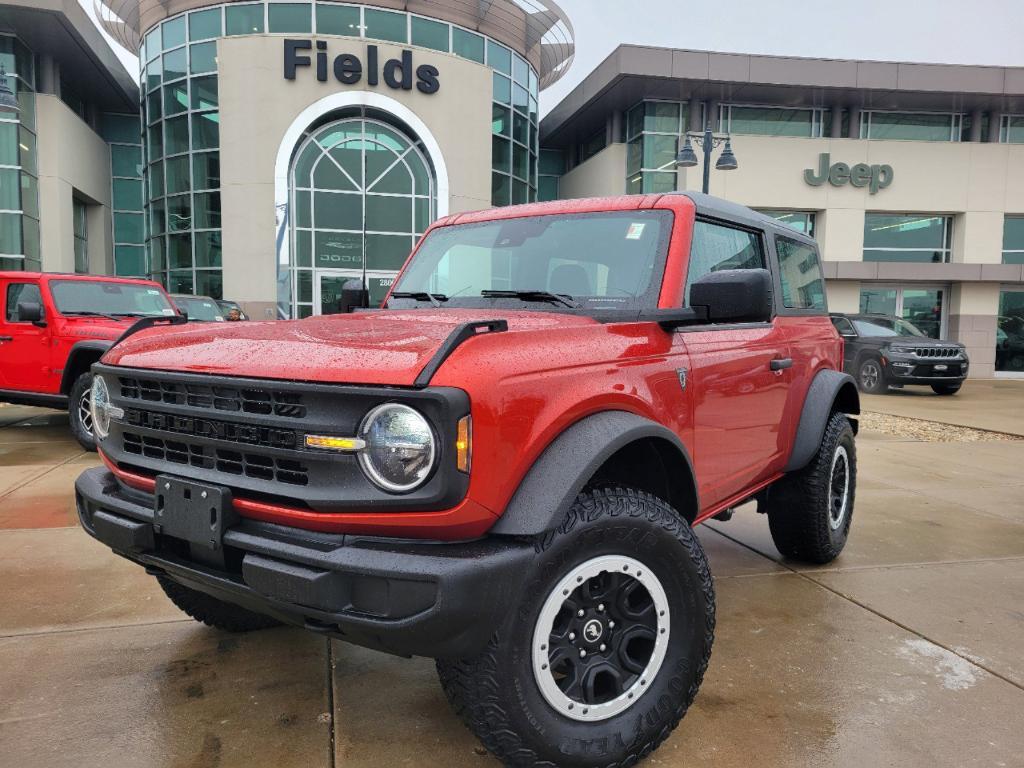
<point x="937" y="353"/>
<point x="238" y="463"/>
<point x="263" y="402"/>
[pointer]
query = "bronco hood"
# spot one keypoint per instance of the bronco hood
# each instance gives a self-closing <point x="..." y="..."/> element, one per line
<point x="387" y="347"/>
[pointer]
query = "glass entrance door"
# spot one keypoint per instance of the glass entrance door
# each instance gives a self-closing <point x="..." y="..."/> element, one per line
<point x="925" y="307"/>
<point x="330" y="282"/>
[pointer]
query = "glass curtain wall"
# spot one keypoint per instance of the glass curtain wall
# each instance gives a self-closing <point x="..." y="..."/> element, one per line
<point x="551" y="167"/>
<point x="19" y="184"/>
<point x="1010" y="331"/>
<point x="180" y="102"/>
<point x="774" y="121"/>
<point x="920" y="237"/>
<point x="911" y="126"/>
<point x="653" y="132"/>
<point x="124" y="135"/>
<point x="1011" y="129"/>
<point x="925" y="307"/>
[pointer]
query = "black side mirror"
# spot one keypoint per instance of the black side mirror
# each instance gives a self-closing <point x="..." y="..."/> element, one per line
<point x="353" y="295"/>
<point x="184" y="314"/>
<point x="30" y="312"/>
<point x="734" y="295"/>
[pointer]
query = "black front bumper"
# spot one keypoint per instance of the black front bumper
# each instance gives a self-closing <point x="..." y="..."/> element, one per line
<point x="403" y="597"/>
<point x="901" y="370"/>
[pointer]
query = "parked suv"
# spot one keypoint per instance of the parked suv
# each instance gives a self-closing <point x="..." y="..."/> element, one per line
<point x="500" y="469"/>
<point x="53" y="327"/>
<point x="883" y="352"/>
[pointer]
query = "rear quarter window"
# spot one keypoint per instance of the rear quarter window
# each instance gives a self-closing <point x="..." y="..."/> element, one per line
<point x="803" y="285"/>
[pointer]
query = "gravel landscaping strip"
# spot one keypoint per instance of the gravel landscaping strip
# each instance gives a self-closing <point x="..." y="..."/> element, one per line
<point x="929" y="431"/>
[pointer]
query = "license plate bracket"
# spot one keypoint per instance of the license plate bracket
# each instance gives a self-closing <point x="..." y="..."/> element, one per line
<point x="195" y="512"/>
<point x="942" y="368"/>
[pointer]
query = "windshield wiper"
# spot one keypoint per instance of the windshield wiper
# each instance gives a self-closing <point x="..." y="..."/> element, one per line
<point x="87" y="313"/>
<point x="433" y="298"/>
<point x="546" y="296"/>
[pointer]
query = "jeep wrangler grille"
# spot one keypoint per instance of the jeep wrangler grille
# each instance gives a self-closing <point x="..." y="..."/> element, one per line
<point x="204" y="457"/>
<point x="217" y="398"/>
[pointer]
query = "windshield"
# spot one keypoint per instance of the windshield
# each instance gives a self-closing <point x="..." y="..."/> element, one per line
<point x="199" y="309"/>
<point x="886" y="326"/>
<point x="115" y="299"/>
<point x="610" y="260"/>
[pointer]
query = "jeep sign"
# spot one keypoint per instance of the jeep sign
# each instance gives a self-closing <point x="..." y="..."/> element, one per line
<point x="874" y="177"/>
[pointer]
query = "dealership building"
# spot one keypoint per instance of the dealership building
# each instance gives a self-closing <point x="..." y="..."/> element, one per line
<point x="269" y="151"/>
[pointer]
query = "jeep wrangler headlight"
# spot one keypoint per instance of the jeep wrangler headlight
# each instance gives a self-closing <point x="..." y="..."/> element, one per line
<point x="99" y="404"/>
<point x="400" y="448"/>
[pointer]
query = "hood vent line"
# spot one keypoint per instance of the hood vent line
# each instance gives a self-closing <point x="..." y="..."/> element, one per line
<point x="455" y="339"/>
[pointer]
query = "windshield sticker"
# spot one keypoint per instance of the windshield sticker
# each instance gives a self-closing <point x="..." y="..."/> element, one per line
<point x="167" y="311"/>
<point x="153" y="292"/>
<point x="635" y="231"/>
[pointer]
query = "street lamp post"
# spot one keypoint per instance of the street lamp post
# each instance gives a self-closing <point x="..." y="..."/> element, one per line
<point x="708" y="140"/>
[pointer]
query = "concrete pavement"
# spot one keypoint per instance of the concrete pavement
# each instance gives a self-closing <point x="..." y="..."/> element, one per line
<point x="907" y="651"/>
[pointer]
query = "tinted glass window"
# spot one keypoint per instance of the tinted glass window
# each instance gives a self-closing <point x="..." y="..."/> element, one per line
<point x="803" y="286"/>
<point x="886" y="326"/>
<point x="843" y="325"/>
<point x="608" y="260"/>
<point x="717" y="247"/>
<point x="199" y="309"/>
<point x="21" y="293"/>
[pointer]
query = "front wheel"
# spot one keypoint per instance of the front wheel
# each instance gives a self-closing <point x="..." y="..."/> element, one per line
<point x="945" y="389"/>
<point x="870" y="378"/>
<point x="607" y="647"/>
<point x="80" y="411"/>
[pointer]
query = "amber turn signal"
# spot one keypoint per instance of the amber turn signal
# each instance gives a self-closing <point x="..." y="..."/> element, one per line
<point x="464" y="444"/>
<point x="340" y="444"/>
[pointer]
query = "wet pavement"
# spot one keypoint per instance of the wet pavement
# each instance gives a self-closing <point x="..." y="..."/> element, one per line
<point x="907" y="651"/>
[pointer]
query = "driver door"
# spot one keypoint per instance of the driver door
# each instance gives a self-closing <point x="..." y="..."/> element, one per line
<point x="24" y="347"/>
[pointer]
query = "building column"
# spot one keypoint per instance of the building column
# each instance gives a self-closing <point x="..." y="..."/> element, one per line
<point x="854" y="123"/>
<point x="976" y="118"/>
<point x="972" y="316"/>
<point x="696" y="109"/>
<point x="48" y="76"/>
<point x="616" y="130"/>
<point x="995" y="121"/>
<point x="837" y="122"/>
<point x="712" y="114"/>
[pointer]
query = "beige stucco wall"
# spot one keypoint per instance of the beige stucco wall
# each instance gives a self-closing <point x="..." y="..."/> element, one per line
<point x="73" y="161"/>
<point x="602" y="175"/>
<point x="257" y="108"/>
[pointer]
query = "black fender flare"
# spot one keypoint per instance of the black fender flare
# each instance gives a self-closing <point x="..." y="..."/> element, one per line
<point x="92" y="350"/>
<point x="552" y="484"/>
<point x="830" y="391"/>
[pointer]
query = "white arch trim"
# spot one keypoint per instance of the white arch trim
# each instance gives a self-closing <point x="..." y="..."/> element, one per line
<point x="324" y="106"/>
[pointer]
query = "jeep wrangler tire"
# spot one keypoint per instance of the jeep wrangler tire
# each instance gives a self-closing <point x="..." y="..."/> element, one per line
<point x="945" y="389"/>
<point x="608" y="644"/>
<point x="810" y="510"/>
<point x="80" y="411"/>
<point x="214" y="612"/>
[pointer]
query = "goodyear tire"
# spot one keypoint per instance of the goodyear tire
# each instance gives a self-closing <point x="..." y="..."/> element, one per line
<point x="213" y="612"/>
<point x="607" y="647"/>
<point x="79" y="412"/>
<point x="810" y="510"/>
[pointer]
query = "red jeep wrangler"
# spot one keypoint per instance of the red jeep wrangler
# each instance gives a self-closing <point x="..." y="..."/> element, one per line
<point x="501" y="468"/>
<point x="53" y="327"/>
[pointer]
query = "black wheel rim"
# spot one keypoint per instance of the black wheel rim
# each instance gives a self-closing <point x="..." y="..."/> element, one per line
<point x="601" y="639"/>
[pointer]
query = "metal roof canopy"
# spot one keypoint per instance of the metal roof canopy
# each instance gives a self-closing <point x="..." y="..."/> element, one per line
<point x="62" y="29"/>
<point x="633" y="73"/>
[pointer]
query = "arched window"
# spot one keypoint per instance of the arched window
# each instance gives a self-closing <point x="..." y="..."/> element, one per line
<point x="362" y="194"/>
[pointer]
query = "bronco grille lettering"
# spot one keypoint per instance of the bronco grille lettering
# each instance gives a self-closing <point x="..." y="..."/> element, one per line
<point x="210" y="428"/>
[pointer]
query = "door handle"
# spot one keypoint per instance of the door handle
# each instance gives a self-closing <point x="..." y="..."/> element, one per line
<point x="6" y="338"/>
<point x="781" y="364"/>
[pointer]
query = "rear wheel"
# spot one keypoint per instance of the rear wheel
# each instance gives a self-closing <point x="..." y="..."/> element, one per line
<point x="810" y="510"/>
<point x="870" y="378"/>
<point x="216" y="613"/>
<point x="607" y="647"/>
<point x="945" y="389"/>
<point x="80" y="411"/>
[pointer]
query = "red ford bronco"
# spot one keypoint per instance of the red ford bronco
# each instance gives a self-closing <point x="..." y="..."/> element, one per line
<point x="500" y="468"/>
<point x="54" y="327"/>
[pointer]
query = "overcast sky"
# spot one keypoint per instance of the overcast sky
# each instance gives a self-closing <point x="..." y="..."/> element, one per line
<point x="946" y="31"/>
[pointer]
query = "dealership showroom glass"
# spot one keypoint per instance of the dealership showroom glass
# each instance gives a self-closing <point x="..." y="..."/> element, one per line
<point x="266" y="152"/>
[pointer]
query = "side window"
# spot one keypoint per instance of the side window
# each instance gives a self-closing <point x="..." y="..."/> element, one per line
<point x="21" y="293"/>
<point x="717" y="247"/>
<point x="844" y="326"/>
<point x="803" y="286"/>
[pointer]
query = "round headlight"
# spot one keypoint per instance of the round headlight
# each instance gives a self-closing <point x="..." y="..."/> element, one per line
<point x="400" y="448"/>
<point x="99" y="404"/>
